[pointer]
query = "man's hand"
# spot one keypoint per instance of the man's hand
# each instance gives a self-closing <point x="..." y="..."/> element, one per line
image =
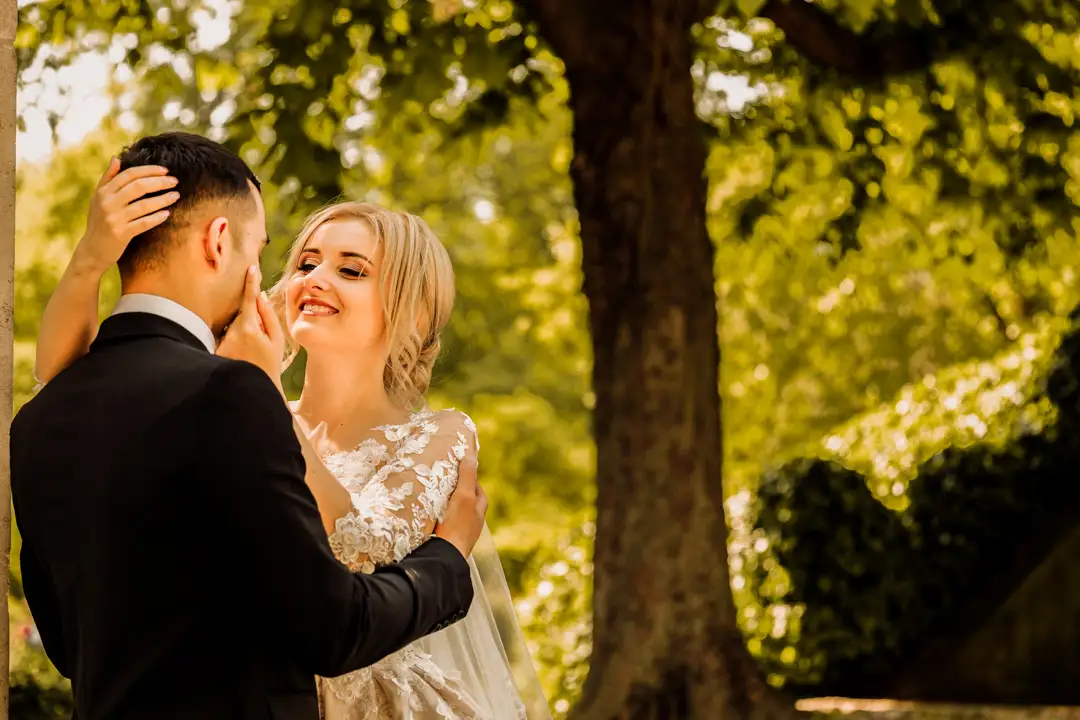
<point x="464" y="519"/>
<point x="255" y="335"/>
<point x="119" y="211"/>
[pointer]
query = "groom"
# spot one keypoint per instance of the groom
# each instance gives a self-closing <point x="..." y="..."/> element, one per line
<point x="173" y="558"/>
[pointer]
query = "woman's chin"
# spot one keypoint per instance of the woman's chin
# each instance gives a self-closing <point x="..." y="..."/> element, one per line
<point x="306" y="332"/>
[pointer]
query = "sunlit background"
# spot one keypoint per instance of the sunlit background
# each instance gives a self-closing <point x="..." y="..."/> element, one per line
<point x="896" y="266"/>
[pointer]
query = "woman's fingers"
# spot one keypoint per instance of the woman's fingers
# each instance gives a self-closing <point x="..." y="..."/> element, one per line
<point x="133" y="173"/>
<point x="136" y="210"/>
<point x="271" y="324"/>
<point x="249" y="308"/>
<point x="147" y="222"/>
<point x="140" y="187"/>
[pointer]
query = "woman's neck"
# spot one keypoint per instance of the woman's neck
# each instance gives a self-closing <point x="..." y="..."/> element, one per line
<point x="343" y="400"/>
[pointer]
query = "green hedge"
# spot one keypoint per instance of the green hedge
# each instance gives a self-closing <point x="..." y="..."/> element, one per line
<point x="872" y="584"/>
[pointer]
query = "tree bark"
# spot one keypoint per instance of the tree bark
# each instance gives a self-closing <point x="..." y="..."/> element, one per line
<point x="665" y="639"/>
<point x="8" y="21"/>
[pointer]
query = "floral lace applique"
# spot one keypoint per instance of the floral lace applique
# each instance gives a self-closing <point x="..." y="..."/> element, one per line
<point x="400" y="489"/>
<point x="404" y="686"/>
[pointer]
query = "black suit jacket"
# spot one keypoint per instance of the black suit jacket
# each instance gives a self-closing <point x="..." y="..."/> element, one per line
<point x="173" y="558"/>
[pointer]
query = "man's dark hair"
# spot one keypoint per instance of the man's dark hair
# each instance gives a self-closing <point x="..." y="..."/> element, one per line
<point x="205" y="170"/>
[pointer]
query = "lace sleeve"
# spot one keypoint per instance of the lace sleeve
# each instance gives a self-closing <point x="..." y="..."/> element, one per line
<point x="396" y="510"/>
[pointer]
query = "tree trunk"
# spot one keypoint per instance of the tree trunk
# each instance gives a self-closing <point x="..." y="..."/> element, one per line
<point x="8" y="20"/>
<point x="665" y="639"/>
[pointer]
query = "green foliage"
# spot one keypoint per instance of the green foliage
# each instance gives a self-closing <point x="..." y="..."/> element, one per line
<point x="863" y="257"/>
<point x="909" y="237"/>
<point x="35" y="695"/>
<point x="951" y="182"/>
<point x="832" y="570"/>
<point x="868" y="584"/>
<point x="556" y="616"/>
<point x="925" y="225"/>
<point x="296" y="90"/>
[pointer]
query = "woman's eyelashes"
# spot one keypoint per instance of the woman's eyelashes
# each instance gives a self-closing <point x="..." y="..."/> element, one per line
<point x="353" y="272"/>
<point x="308" y="266"/>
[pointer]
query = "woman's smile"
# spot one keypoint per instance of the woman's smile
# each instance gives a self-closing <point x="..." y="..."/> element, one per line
<point x="313" y="307"/>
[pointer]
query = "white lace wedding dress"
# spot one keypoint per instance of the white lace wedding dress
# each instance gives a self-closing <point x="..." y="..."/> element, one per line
<point x="400" y="481"/>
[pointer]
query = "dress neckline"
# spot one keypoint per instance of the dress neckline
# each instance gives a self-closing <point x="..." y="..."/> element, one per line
<point x="414" y="417"/>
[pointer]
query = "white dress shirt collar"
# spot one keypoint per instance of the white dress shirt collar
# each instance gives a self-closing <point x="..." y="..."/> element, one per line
<point x="170" y="310"/>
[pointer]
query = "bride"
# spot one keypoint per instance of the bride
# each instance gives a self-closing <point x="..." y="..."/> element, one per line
<point x="366" y="292"/>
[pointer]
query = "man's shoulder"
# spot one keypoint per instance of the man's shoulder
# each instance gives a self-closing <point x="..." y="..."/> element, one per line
<point x="241" y="378"/>
<point x="240" y="388"/>
<point x="242" y="400"/>
<point x="222" y="378"/>
<point x="164" y="372"/>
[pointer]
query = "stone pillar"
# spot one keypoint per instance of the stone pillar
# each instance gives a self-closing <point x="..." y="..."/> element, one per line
<point x="8" y="22"/>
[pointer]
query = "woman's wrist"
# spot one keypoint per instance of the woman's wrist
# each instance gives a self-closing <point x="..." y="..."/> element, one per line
<point x="86" y="264"/>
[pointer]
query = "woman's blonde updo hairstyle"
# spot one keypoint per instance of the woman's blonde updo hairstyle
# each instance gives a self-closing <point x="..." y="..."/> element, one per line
<point x="417" y="280"/>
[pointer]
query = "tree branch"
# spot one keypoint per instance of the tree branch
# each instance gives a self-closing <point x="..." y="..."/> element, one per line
<point x="872" y="55"/>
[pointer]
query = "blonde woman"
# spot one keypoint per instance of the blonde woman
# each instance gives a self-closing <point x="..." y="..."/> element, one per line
<point x="366" y="292"/>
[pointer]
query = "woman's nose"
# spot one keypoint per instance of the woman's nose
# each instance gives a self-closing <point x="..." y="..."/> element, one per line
<point x="315" y="280"/>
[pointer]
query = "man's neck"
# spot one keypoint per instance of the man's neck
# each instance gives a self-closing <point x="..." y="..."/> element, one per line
<point x="179" y="307"/>
<point x="178" y="292"/>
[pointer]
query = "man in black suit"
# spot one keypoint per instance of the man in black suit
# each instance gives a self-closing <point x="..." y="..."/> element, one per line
<point x="173" y="558"/>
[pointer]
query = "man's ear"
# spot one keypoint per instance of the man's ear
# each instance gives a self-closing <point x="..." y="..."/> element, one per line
<point x="214" y="240"/>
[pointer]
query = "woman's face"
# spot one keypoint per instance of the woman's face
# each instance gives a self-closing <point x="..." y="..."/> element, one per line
<point x="333" y="298"/>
